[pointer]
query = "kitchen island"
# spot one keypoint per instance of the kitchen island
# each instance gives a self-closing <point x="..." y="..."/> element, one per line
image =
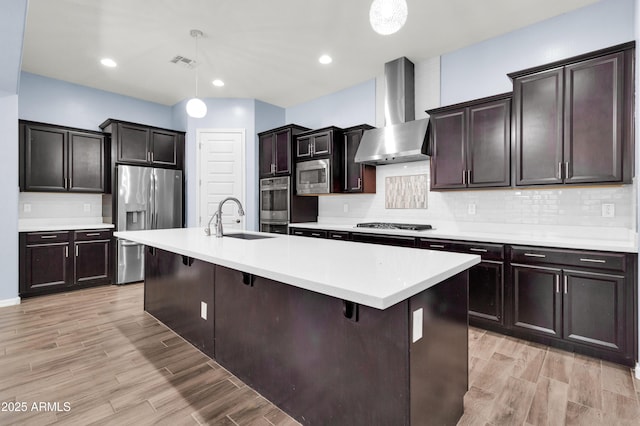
<point x="331" y="332"/>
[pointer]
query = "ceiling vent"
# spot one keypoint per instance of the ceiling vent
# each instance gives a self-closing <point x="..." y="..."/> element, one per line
<point x="185" y="62"/>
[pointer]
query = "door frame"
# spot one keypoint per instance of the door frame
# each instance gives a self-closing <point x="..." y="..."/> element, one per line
<point x="243" y="168"/>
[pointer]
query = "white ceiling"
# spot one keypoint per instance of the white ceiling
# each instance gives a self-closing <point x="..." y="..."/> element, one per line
<point x="263" y="49"/>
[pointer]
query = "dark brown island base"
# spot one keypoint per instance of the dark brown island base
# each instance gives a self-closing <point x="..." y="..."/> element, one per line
<point x="322" y="360"/>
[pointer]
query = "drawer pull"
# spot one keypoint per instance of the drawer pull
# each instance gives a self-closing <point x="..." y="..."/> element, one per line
<point x="316" y="234"/>
<point x="586" y="259"/>
<point x="436" y="245"/>
<point x="93" y="234"/>
<point x="48" y="237"/>
<point x="297" y="233"/>
<point x="339" y="237"/>
<point x="534" y="255"/>
<point x="480" y="250"/>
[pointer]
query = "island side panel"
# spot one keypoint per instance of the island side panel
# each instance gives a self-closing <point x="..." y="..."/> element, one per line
<point x="297" y="349"/>
<point x="174" y="290"/>
<point x="439" y="359"/>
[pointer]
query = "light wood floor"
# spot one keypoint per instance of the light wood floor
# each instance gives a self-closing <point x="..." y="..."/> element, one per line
<point x="98" y="351"/>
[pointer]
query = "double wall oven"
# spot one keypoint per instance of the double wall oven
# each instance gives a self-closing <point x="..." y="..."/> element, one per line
<point x="275" y="194"/>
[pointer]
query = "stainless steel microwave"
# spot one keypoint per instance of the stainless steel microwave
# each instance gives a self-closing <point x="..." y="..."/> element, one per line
<point x="313" y="177"/>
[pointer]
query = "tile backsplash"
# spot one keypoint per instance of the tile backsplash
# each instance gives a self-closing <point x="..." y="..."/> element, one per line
<point x="564" y="206"/>
<point x="41" y="205"/>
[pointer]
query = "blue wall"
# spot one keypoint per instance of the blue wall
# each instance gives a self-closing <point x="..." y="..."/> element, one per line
<point x="58" y="102"/>
<point x="481" y="69"/>
<point x="12" y="21"/>
<point x="349" y="107"/>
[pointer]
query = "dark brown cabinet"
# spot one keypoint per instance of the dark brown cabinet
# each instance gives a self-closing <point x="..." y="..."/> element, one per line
<point x="275" y="148"/>
<point x="303" y="232"/>
<point x="61" y="159"/>
<point x="390" y="240"/>
<point x="179" y="291"/>
<point x="317" y="143"/>
<point x="61" y="260"/>
<point x="579" y="297"/>
<point x="470" y="144"/>
<point x="486" y="279"/>
<point x="358" y="178"/>
<point x="573" y="119"/>
<point x="138" y="144"/>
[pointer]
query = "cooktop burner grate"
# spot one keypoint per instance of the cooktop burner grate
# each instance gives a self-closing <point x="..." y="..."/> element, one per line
<point x="386" y="225"/>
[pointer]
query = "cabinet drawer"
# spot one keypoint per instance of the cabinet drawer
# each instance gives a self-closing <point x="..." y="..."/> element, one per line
<point x="585" y="259"/>
<point x="93" y="234"/>
<point x="389" y="240"/>
<point x="443" y="245"/>
<point x="47" y="237"/>
<point x="486" y="250"/>
<point x="315" y="233"/>
<point x="339" y="235"/>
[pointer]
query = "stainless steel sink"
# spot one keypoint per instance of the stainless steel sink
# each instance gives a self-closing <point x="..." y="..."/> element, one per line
<point x="244" y="236"/>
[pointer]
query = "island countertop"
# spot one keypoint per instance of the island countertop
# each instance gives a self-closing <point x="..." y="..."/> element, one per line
<point x="373" y="275"/>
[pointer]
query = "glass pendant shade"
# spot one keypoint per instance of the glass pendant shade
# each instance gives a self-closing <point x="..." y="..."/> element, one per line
<point x="388" y="16"/>
<point x="196" y="108"/>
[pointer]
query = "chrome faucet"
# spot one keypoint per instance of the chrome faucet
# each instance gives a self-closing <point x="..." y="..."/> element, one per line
<point x="218" y="216"/>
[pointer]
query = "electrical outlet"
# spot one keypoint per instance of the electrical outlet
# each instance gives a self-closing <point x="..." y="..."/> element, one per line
<point x="471" y="209"/>
<point x="203" y="310"/>
<point x="87" y="208"/>
<point x="26" y="207"/>
<point x="608" y="210"/>
<point x="345" y="208"/>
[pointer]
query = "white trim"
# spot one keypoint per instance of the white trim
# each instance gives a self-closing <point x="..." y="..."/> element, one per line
<point x="243" y="173"/>
<point x="9" y="302"/>
<point x="637" y="371"/>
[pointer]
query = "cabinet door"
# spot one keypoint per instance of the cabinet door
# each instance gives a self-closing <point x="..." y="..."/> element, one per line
<point x="267" y="147"/>
<point x="164" y="148"/>
<point x="448" y="162"/>
<point x="133" y="143"/>
<point x="594" y="309"/>
<point x="486" y="284"/>
<point x="321" y="143"/>
<point x="47" y="267"/>
<point x="352" y="170"/>
<point x="86" y="162"/>
<point x="283" y="152"/>
<point x="303" y="147"/>
<point x="593" y="120"/>
<point x="91" y="262"/>
<point x="489" y="144"/>
<point x="45" y="159"/>
<point x="537" y="299"/>
<point x="538" y="105"/>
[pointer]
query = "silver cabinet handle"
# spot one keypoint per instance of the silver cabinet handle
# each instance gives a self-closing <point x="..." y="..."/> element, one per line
<point x="66" y="251"/>
<point x="76" y="250"/>
<point x="566" y="284"/>
<point x="557" y="283"/>
<point x="534" y="255"/>
<point x="297" y="233"/>
<point x="586" y="259"/>
<point x="480" y="250"/>
<point x="151" y="157"/>
<point x="464" y="177"/>
<point x="436" y="245"/>
<point x="566" y="170"/>
<point x="273" y="168"/>
<point x="337" y="236"/>
<point x="48" y="237"/>
<point x="315" y="234"/>
<point x="359" y="183"/>
<point x="93" y="234"/>
<point x="468" y="177"/>
<point x="560" y="171"/>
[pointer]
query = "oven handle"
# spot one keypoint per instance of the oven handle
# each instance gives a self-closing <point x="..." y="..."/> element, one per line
<point x="275" y="188"/>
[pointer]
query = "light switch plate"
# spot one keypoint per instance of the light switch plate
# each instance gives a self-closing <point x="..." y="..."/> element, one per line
<point x="471" y="209"/>
<point x="26" y="207"/>
<point x="87" y="207"/>
<point x="203" y="310"/>
<point x="417" y="325"/>
<point x="608" y="210"/>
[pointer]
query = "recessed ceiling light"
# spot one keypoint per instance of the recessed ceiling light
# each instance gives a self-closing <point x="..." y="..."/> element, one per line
<point x="325" y="59"/>
<point x="218" y="83"/>
<point x="108" y="62"/>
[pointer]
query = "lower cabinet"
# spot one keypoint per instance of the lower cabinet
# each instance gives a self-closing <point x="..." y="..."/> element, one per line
<point x="62" y="260"/>
<point x="178" y="291"/>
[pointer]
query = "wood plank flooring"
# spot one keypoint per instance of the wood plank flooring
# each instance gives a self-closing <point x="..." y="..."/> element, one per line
<point x="95" y="357"/>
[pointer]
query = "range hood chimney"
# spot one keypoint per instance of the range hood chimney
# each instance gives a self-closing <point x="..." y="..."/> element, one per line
<point x="403" y="138"/>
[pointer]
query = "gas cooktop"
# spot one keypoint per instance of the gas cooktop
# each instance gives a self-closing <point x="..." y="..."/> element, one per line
<point x="386" y="225"/>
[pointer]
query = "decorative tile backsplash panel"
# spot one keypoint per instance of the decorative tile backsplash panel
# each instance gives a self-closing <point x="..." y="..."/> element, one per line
<point x="563" y="206"/>
<point x="405" y="192"/>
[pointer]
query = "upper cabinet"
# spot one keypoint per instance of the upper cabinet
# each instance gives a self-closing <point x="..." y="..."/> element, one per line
<point x="470" y="144"/>
<point x="275" y="147"/>
<point x="144" y="145"/>
<point x="358" y="178"/>
<point x="573" y="119"/>
<point x="61" y="159"/>
<point x="317" y="143"/>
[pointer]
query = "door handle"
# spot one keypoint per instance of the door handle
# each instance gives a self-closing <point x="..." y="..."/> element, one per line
<point x="560" y="171"/>
<point x="47" y="237"/>
<point x="534" y="255"/>
<point x="464" y="177"/>
<point x="479" y="250"/>
<point x="66" y="251"/>
<point x="557" y="283"/>
<point x="566" y="170"/>
<point x="566" y="285"/>
<point x="76" y="250"/>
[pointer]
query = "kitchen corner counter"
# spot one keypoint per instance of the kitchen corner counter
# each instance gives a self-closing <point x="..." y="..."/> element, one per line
<point x="563" y="237"/>
<point x="370" y="274"/>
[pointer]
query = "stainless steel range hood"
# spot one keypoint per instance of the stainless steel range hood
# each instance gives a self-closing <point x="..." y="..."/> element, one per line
<point x="403" y="139"/>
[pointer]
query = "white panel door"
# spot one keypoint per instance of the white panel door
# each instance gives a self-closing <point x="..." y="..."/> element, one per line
<point x="221" y="174"/>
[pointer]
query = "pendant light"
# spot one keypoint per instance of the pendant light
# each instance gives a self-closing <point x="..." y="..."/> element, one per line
<point x="196" y="108"/>
<point x="388" y="16"/>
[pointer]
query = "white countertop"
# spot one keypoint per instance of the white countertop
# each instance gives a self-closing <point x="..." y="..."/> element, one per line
<point x="603" y="239"/>
<point x="370" y="274"/>
<point x="61" y="224"/>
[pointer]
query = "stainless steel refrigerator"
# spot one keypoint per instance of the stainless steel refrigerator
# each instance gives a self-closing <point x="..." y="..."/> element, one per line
<point x="148" y="198"/>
